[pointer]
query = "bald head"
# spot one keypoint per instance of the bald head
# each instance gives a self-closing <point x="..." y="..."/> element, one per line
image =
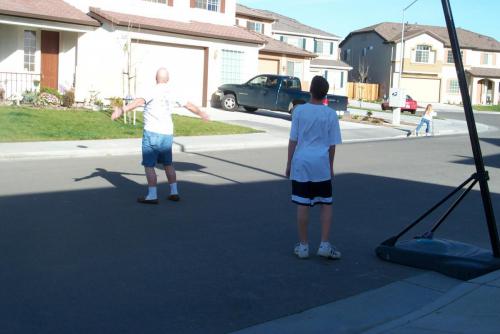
<point x="162" y="75"/>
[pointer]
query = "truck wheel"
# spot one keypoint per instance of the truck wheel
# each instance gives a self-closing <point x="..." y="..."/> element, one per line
<point x="229" y="102"/>
<point x="250" y="109"/>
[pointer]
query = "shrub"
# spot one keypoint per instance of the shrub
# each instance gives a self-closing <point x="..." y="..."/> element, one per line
<point x="116" y="102"/>
<point x="47" y="99"/>
<point x="29" y="97"/>
<point x="68" y="98"/>
<point x="51" y="91"/>
<point x="369" y="113"/>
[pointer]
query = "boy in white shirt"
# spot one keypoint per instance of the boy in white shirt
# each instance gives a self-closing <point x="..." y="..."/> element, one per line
<point x="158" y="133"/>
<point x="311" y="150"/>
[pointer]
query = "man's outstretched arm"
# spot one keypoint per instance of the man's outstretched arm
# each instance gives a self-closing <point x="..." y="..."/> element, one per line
<point x="118" y="111"/>
<point x="197" y="111"/>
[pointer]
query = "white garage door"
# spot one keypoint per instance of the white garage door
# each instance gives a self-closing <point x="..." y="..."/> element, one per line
<point x="422" y="90"/>
<point x="268" y="66"/>
<point x="185" y="65"/>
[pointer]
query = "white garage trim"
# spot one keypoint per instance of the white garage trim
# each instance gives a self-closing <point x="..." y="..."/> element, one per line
<point x="188" y="67"/>
<point x="422" y="89"/>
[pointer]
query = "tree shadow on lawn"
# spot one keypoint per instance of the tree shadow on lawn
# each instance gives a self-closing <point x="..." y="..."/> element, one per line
<point x="217" y="261"/>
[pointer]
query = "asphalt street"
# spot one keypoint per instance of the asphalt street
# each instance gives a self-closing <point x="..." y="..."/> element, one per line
<point x="80" y="256"/>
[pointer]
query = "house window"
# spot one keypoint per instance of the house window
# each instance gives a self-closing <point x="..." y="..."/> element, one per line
<point x="29" y="50"/>
<point x="255" y="26"/>
<point x="341" y="79"/>
<point x="485" y="58"/>
<point x="325" y="75"/>
<point x="347" y="55"/>
<point x="453" y="87"/>
<point x="283" y="38"/>
<point x="422" y="54"/>
<point x="211" y="5"/>
<point x="331" y="48"/>
<point x="156" y="1"/>
<point x="449" y="58"/>
<point x="231" y="65"/>
<point x="294" y="69"/>
<point x="318" y="46"/>
<point x="301" y="43"/>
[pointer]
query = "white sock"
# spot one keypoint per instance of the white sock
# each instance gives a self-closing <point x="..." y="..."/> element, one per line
<point x="173" y="189"/>
<point x="324" y="244"/>
<point x="152" y="193"/>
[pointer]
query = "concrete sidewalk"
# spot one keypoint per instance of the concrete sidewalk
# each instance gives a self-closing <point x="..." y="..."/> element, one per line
<point x="428" y="303"/>
<point x="275" y="127"/>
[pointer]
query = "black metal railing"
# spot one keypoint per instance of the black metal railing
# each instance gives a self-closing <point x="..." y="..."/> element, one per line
<point x="14" y="84"/>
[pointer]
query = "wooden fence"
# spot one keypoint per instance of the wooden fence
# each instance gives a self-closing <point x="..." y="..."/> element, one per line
<point x="364" y="91"/>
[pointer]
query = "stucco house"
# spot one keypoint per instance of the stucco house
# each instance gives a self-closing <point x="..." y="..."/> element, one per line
<point x="319" y="55"/>
<point x="113" y="48"/>
<point x="428" y="73"/>
<point x="276" y="57"/>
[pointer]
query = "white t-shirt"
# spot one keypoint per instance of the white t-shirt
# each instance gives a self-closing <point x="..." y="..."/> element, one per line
<point x="315" y="128"/>
<point x="158" y="109"/>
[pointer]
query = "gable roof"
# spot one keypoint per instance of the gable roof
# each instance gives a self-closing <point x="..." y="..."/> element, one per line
<point x="485" y="72"/>
<point x="287" y="24"/>
<point x="329" y="63"/>
<point x="391" y="33"/>
<point x="51" y="10"/>
<point x="253" y="13"/>
<point x="282" y="48"/>
<point x="197" y="29"/>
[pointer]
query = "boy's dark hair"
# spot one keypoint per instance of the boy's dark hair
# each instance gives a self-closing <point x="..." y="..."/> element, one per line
<point x="319" y="87"/>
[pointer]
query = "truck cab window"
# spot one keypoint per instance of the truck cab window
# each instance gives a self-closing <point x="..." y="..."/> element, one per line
<point x="259" y="81"/>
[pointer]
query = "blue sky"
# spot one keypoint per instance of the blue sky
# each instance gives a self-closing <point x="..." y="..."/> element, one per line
<point x="342" y="16"/>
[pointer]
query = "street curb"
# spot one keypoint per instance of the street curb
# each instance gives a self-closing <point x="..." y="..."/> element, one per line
<point x="453" y="295"/>
<point x="191" y="147"/>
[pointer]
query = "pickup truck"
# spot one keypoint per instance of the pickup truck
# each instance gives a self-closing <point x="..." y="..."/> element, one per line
<point x="273" y="92"/>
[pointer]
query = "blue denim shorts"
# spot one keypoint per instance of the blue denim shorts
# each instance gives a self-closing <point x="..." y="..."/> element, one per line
<point x="156" y="148"/>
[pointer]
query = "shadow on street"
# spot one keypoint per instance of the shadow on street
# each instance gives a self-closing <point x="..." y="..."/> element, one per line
<point x="94" y="261"/>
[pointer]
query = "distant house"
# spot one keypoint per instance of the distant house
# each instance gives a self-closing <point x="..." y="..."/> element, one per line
<point x="428" y="73"/>
<point x="321" y="46"/>
<point x="113" y="48"/>
<point x="276" y="57"/>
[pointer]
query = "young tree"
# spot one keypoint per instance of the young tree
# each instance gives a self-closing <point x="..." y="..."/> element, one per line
<point x="363" y="69"/>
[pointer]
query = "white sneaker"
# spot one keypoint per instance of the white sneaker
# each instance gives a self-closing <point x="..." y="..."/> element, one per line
<point x="328" y="251"/>
<point x="302" y="251"/>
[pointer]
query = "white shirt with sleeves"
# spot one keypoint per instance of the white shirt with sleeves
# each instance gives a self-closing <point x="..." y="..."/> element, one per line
<point x="315" y="128"/>
<point x="160" y="102"/>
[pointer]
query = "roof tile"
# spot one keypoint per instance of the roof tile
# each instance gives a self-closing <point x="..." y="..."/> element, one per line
<point x="52" y="10"/>
<point x="391" y="32"/>
<point x="199" y="29"/>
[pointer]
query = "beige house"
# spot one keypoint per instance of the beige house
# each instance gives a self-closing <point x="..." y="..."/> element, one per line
<point x="428" y="73"/>
<point x="112" y="48"/>
<point x="276" y="57"/>
<point x="320" y="49"/>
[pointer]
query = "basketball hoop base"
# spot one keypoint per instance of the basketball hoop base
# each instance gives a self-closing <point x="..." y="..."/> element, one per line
<point x="451" y="258"/>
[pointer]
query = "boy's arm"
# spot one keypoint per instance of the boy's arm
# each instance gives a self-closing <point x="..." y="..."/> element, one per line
<point x="197" y="111"/>
<point x="292" y="144"/>
<point x="331" y="153"/>
<point x="118" y="111"/>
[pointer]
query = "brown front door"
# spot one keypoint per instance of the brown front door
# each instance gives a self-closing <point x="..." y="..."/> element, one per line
<point x="50" y="58"/>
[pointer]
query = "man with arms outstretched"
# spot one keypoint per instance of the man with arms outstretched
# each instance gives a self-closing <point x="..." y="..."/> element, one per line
<point x="158" y="133"/>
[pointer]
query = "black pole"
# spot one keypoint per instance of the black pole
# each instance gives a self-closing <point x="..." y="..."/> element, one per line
<point x="471" y="124"/>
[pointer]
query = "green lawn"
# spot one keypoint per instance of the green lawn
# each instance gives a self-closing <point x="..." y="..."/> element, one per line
<point x="487" y="108"/>
<point x="31" y="124"/>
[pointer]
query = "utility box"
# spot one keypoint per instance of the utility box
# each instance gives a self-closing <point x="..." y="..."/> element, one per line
<point x="397" y="98"/>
